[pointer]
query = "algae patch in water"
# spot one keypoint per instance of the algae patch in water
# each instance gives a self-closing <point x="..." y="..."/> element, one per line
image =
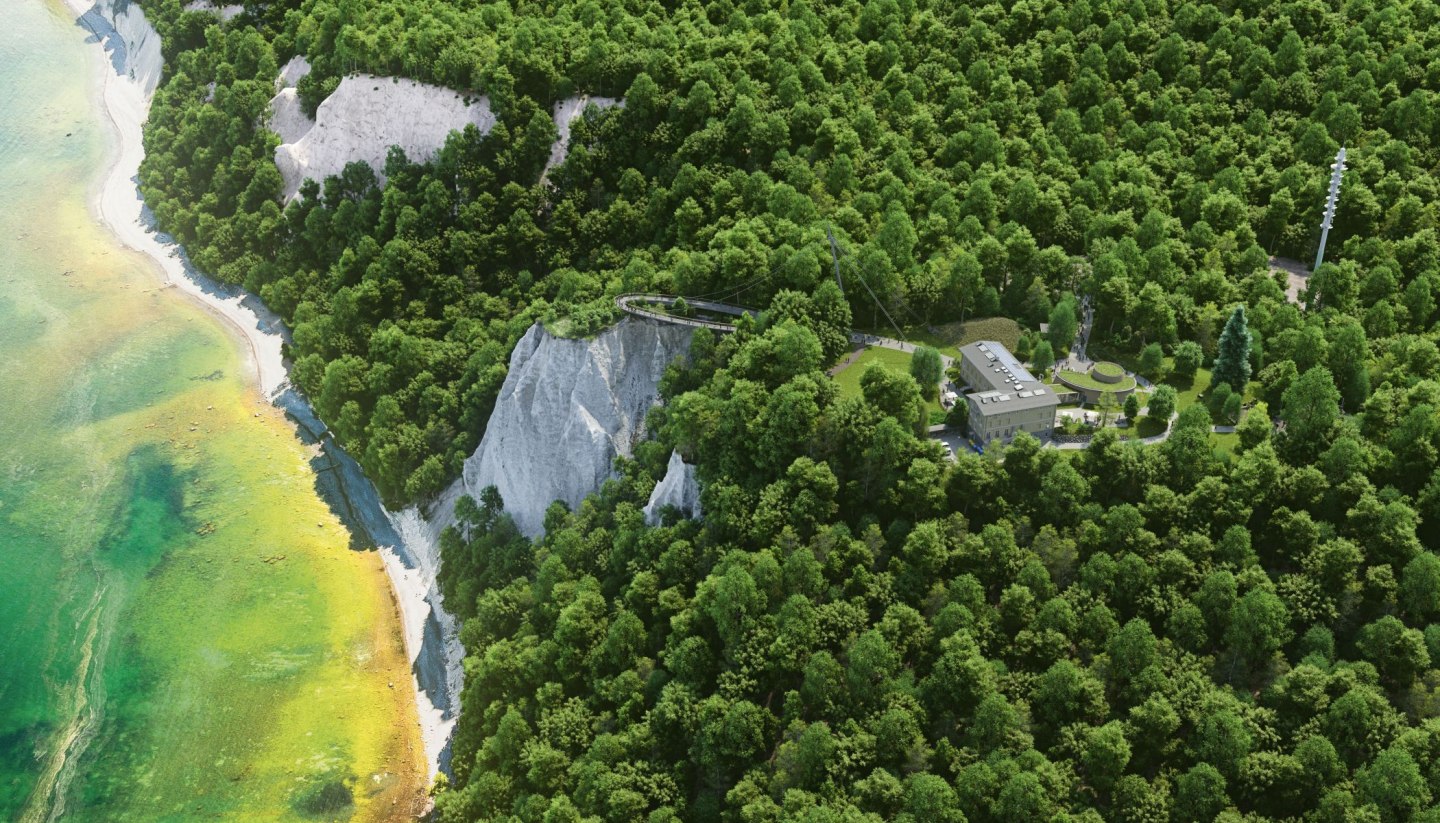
<point x="325" y="797"/>
<point x="154" y="513"/>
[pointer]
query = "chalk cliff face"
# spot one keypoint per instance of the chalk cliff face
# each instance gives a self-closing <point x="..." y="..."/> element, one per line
<point x="287" y="117"/>
<point x="292" y="72"/>
<point x="564" y="114"/>
<point x="679" y="488"/>
<point x="567" y="408"/>
<point x="130" y="41"/>
<point x="225" y="13"/>
<point x="365" y="116"/>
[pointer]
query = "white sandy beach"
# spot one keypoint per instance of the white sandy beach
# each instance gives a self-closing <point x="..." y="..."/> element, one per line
<point x="117" y="203"/>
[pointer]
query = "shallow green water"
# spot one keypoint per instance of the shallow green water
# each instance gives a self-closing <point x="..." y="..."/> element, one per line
<point x="183" y="632"/>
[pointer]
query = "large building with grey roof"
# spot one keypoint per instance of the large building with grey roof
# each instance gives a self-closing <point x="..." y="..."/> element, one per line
<point x="1004" y="397"/>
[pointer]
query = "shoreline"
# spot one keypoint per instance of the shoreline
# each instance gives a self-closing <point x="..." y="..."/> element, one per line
<point x="117" y="204"/>
<point x="115" y="200"/>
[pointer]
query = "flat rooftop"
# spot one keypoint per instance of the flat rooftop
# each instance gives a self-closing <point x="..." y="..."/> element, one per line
<point x="997" y="366"/>
<point x="997" y="402"/>
<point x="1005" y="384"/>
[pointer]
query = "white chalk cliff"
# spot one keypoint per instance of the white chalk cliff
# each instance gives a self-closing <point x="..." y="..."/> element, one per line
<point x="366" y="115"/>
<point x="567" y="408"/>
<point x="292" y="72"/>
<point x="287" y="117"/>
<point x="564" y="114"/>
<point x="678" y="488"/>
<point x="225" y="13"/>
<point x="129" y="40"/>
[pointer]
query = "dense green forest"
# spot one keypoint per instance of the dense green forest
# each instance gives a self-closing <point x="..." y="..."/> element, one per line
<point x="974" y="160"/>
<point x="860" y="628"/>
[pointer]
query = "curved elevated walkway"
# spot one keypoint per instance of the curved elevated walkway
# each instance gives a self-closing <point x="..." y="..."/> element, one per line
<point x="635" y="304"/>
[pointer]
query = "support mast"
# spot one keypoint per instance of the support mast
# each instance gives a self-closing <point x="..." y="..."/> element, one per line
<point x="1338" y="169"/>
<point x="835" y="255"/>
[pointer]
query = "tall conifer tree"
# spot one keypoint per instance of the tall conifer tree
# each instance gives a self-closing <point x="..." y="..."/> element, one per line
<point x="1232" y="361"/>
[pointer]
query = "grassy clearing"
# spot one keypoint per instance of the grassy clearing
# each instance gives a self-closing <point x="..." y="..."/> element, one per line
<point x="1188" y="391"/>
<point x="1227" y="443"/>
<point x="1149" y="427"/>
<point x="848" y="379"/>
<point x="1000" y="329"/>
<point x="1191" y="392"/>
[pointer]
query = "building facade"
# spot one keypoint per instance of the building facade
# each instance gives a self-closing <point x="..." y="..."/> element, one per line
<point x="1003" y="396"/>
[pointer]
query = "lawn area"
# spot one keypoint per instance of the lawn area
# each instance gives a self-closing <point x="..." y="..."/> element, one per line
<point x="1189" y="391"/>
<point x="848" y="379"/>
<point x="1227" y="443"/>
<point x="1149" y="427"/>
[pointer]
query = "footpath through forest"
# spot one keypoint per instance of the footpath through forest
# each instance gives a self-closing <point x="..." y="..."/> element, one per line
<point x="633" y="304"/>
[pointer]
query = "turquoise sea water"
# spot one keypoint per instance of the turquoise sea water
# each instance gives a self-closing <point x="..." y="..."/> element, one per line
<point x="183" y="631"/>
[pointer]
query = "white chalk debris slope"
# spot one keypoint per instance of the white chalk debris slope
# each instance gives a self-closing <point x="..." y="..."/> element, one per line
<point x="366" y="115"/>
<point x="679" y="488"/>
<point x="564" y="114"/>
<point x="226" y="13"/>
<point x="287" y="117"/>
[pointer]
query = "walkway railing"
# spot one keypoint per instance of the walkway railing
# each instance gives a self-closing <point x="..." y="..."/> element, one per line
<point x="634" y="304"/>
